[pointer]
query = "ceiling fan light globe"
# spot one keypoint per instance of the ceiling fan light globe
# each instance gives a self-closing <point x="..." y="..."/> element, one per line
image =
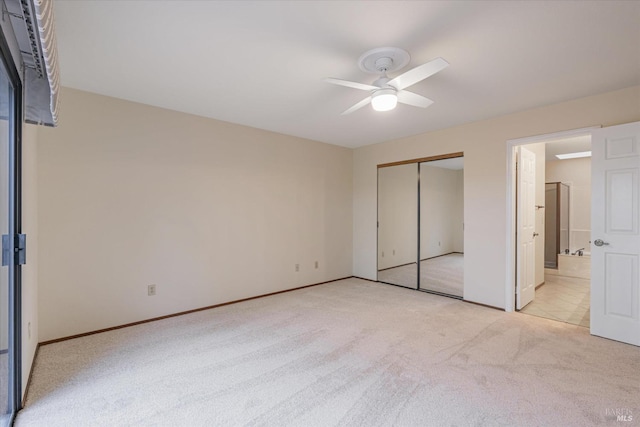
<point x="384" y="100"/>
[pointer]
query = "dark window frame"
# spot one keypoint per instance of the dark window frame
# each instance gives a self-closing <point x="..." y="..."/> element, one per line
<point x="15" y="228"/>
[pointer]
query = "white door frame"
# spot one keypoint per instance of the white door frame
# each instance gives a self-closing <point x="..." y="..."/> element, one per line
<point x="510" y="278"/>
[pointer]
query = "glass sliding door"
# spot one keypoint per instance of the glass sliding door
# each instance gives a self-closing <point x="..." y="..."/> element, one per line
<point x="398" y="225"/>
<point x="10" y="125"/>
<point x="5" y="318"/>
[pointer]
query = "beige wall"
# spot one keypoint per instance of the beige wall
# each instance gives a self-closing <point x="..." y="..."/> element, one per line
<point x="484" y="147"/>
<point x="576" y="173"/>
<point x="131" y="195"/>
<point x="30" y="269"/>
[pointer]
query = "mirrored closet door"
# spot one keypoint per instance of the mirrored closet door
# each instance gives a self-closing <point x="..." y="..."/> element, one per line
<point x="442" y="226"/>
<point x="398" y="225"/>
<point x="421" y="224"/>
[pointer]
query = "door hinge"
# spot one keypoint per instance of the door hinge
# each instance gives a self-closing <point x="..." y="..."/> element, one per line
<point x="15" y="253"/>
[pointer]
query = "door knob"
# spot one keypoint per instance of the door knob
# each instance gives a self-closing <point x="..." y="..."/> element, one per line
<point x="535" y="234"/>
<point x="600" y="242"/>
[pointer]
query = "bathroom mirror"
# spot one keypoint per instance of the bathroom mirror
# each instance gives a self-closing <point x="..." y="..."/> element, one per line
<point x="398" y="225"/>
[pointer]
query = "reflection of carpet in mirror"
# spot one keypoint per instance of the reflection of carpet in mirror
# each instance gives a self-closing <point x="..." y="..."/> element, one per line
<point x="443" y="274"/>
<point x="4" y="387"/>
<point x="405" y="275"/>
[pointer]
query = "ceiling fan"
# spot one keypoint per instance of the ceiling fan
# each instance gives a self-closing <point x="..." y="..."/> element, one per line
<point x="385" y="92"/>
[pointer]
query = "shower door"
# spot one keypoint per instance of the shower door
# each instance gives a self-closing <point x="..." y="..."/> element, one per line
<point x="551" y="229"/>
<point x="556" y="224"/>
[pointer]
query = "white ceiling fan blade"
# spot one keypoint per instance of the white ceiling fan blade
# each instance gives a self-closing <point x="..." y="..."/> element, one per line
<point x="419" y="73"/>
<point x="347" y="83"/>
<point x="414" y="99"/>
<point x="358" y="106"/>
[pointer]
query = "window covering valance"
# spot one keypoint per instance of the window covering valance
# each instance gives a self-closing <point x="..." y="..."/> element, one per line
<point x="33" y="25"/>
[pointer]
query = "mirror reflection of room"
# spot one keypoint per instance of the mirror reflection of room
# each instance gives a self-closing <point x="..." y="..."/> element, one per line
<point x="421" y="225"/>
<point x="398" y="225"/>
<point x="442" y="226"/>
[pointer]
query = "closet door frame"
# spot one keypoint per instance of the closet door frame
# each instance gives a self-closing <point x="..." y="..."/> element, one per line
<point x="400" y="163"/>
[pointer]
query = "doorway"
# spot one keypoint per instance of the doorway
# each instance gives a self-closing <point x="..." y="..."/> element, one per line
<point x="615" y="212"/>
<point x="562" y="230"/>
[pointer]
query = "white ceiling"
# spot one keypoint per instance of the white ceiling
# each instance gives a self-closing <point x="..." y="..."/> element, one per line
<point x="577" y="144"/>
<point x="262" y="63"/>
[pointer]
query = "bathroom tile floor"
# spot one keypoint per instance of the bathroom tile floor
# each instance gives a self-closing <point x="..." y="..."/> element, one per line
<point x="562" y="298"/>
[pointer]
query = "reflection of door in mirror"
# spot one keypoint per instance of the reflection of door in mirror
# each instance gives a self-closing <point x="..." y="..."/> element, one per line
<point x="442" y="226"/>
<point x="398" y="225"/>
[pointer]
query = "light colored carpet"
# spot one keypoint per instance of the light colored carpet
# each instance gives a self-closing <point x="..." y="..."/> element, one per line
<point x="347" y="353"/>
<point x="444" y="274"/>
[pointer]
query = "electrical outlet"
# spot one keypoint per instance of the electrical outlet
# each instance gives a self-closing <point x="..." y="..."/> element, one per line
<point x="316" y="264"/>
<point x="297" y="267"/>
<point x="394" y="251"/>
<point x="151" y="290"/>
<point x="439" y="244"/>
<point x="29" y="329"/>
<point x="382" y="254"/>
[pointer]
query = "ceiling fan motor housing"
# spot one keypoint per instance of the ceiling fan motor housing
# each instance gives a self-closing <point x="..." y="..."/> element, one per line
<point x="383" y="64"/>
<point x="383" y="60"/>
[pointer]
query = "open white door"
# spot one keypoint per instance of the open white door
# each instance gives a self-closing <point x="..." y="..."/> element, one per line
<point x="615" y="233"/>
<point x="526" y="223"/>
